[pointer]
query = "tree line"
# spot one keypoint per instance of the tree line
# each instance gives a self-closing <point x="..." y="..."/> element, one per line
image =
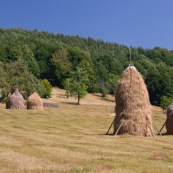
<point x="77" y="64"/>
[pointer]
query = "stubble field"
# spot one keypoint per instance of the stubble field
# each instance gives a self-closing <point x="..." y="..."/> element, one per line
<point x="71" y="139"/>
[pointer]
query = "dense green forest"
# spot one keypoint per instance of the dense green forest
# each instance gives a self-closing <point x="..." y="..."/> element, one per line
<point x="32" y="60"/>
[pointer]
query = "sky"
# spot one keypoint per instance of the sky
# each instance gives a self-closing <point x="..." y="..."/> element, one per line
<point x="135" y="23"/>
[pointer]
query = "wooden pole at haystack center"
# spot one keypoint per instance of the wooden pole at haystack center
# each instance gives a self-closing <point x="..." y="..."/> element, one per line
<point x="130" y="56"/>
<point x="130" y="59"/>
<point x="133" y="108"/>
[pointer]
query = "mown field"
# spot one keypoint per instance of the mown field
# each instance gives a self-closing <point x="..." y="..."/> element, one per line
<point x="71" y="139"/>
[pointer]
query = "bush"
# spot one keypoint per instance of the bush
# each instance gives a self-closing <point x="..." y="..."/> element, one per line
<point x="165" y="102"/>
<point x="44" y="89"/>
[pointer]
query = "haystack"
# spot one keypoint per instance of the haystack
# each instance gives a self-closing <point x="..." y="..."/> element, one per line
<point x="133" y="109"/>
<point x="169" y="120"/>
<point x="15" y="101"/>
<point x="34" y="102"/>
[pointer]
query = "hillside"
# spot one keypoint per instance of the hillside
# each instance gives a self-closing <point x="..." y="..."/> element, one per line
<point x="71" y="139"/>
<point x="58" y="95"/>
<point x="56" y="57"/>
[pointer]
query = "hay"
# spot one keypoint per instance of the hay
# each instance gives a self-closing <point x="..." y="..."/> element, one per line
<point x="169" y="120"/>
<point x="15" y="101"/>
<point x="34" y="102"/>
<point x="133" y="109"/>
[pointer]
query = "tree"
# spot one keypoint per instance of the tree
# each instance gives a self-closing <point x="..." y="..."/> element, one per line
<point x="30" y="60"/>
<point x="25" y="53"/>
<point x="77" y="84"/>
<point x="153" y="76"/>
<point x="111" y="64"/>
<point x="4" y="85"/>
<point x="159" y="81"/>
<point x="16" y="75"/>
<point x="61" y="66"/>
<point x="113" y="83"/>
<point x="48" y="88"/>
<point x="165" y="102"/>
<point x="82" y="59"/>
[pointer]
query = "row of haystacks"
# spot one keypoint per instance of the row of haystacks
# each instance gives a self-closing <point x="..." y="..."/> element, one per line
<point x="16" y="101"/>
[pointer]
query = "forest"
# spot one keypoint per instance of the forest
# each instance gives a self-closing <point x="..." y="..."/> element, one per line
<point x="35" y="61"/>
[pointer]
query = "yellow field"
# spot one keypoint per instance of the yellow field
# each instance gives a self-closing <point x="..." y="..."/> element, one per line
<point x="71" y="139"/>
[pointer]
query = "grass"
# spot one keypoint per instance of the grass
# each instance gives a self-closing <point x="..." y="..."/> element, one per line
<point x="71" y="139"/>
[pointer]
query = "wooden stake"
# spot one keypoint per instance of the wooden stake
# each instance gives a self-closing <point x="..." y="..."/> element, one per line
<point x="119" y="127"/>
<point x="157" y="130"/>
<point x="150" y="130"/>
<point x="130" y="56"/>
<point x="110" y="126"/>
<point x="162" y="127"/>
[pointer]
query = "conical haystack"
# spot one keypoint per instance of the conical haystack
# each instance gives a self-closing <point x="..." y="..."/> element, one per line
<point x="15" y="101"/>
<point x="133" y="109"/>
<point x="34" y="102"/>
<point x="169" y="120"/>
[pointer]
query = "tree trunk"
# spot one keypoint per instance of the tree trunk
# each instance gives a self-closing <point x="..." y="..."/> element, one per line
<point x="78" y="98"/>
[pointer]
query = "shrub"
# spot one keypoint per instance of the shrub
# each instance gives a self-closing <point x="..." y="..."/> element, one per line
<point x="165" y="102"/>
<point x="45" y="89"/>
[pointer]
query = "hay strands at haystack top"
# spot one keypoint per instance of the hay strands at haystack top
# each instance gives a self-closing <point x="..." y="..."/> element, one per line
<point x="133" y="109"/>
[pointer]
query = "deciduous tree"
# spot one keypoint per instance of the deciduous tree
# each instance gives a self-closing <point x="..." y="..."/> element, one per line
<point x="77" y="84"/>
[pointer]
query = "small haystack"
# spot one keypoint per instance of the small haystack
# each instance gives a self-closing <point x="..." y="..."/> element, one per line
<point x="133" y="109"/>
<point x="169" y="120"/>
<point x="34" y="102"/>
<point x="15" y="101"/>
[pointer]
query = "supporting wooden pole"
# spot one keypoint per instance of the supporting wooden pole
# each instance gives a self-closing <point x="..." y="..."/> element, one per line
<point x="157" y="130"/>
<point x="150" y="130"/>
<point x="110" y="126"/>
<point x="130" y="56"/>
<point x="119" y="127"/>
<point x="162" y="127"/>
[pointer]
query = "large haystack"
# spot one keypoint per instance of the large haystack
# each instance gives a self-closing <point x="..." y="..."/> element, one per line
<point x="169" y="120"/>
<point x="133" y="109"/>
<point x="15" y="101"/>
<point x="34" y="102"/>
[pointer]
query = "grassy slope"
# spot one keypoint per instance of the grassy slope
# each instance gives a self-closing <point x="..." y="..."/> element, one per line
<point x="71" y="139"/>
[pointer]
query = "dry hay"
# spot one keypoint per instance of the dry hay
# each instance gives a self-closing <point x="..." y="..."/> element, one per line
<point x="133" y="109"/>
<point x="34" y="102"/>
<point x="15" y="101"/>
<point x="169" y="120"/>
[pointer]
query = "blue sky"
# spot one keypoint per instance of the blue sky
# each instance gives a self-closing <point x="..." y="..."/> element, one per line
<point x="136" y="23"/>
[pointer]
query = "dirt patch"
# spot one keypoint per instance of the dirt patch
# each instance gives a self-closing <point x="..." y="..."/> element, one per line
<point x="159" y="157"/>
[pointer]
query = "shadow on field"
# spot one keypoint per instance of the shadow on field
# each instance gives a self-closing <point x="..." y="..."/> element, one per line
<point x="163" y="134"/>
<point x="51" y="105"/>
<point x="70" y="103"/>
<point x="107" y="99"/>
<point x="111" y="134"/>
<point x="104" y="98"/>
<point x="61" y="96"/>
